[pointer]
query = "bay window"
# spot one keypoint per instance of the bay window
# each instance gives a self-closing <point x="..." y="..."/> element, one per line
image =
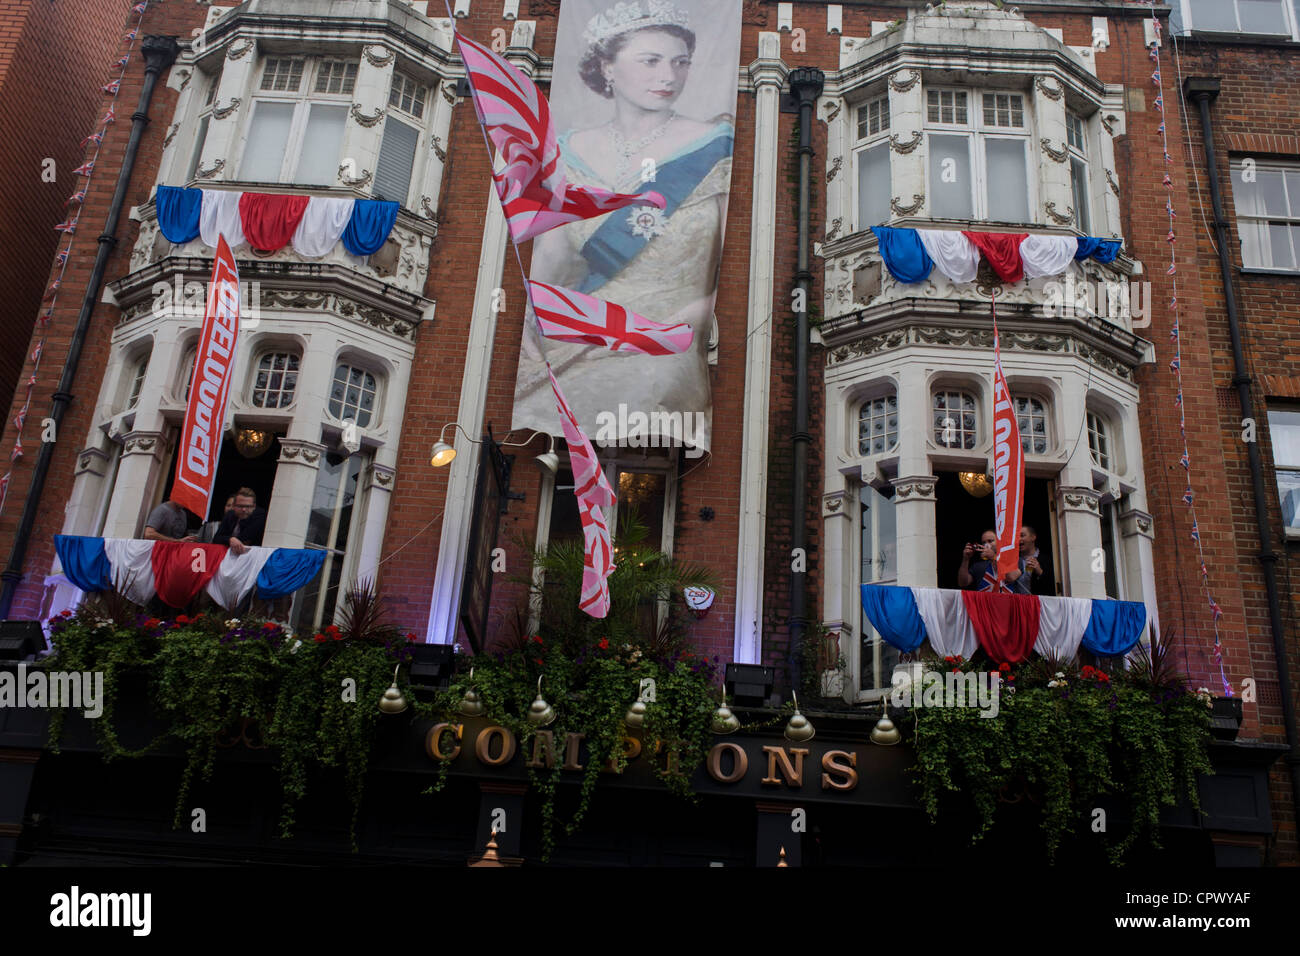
<point x="1284" y="432"/>
<point x="979" y="157"/>
<point x="955" y="419"/>
<point x="352" y="394"/>
<point x="871" y="154"/>
<point x="1259" y="17"/>
<point x="878" y="425"/>
<point x="1032" y="419"/>
<point x="1267" y="201"/>
<point x="276" y="380"/>
<point x="293" y="139"/>
<point x="335" y="512"/>
<point x="402" y="130"/>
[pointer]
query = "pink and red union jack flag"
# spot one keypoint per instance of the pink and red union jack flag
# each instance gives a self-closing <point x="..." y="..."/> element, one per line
<point x="570" y="316"/>
<point x="530" y="179"/>
<point x="594" y="495"/>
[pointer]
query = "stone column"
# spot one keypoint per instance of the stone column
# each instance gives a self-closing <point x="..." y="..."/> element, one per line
<point x="379" y="493"/>
<point x="1138" y="556"/>
<point x="82" y="512"/>
<point x="840" y="214"/>
<point x="1104" y="178"/>
<point x="1079" y="521"/>
<point x="232" y="105"/>
<point x="1050" y="152"/>
<point x="363" y="131"/>
<point x="907" y="151"/>
<point x="839" y="583"/>
<point x="918" y="553"/>
<point x="291" y="496"/>
<point x="143" y="454"/>
<point x="768" y="73"/>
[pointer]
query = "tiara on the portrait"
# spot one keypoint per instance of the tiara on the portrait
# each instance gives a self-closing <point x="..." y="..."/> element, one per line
<point x="622" y="17"/>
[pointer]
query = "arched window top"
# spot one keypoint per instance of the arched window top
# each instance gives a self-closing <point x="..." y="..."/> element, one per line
<point x="878" y="424"/>
<point x="353" y="394"/>
<point x="1100" y="435"/>
<point x="1034" y="422"/>
<point x="956" y="424"/>
<point x="275" y="379"/>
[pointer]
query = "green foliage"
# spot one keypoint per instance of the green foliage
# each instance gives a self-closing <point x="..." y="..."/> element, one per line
<point x="1072" y="740"/>
<point x="312" y="701"/>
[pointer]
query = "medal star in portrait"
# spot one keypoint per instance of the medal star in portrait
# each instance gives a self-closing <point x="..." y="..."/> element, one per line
<point x="647" y="222"/>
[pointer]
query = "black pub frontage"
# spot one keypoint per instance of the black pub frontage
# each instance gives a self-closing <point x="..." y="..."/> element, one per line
<point x="438" y="793"/>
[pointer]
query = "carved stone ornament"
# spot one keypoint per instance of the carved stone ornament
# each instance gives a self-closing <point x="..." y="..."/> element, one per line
<point x="1080" y="499"/>
<point x="832" y="503"/>
<point x="339" y="305"/>
<point x="426" y="207"/>
<point x="238" y="52"/>
<point x="217" y="167"/>
<point x="987" y="282"/>
<point x="171" y="135"/>
<point x="899" y="146"/>
<point x="221" y="112"/>
<point x="1110" y="181"/>
<point x="922" y="489"/>
<point x="1052" y="93"/>
<point x="383" y="476"/>
<point x="361" y="180"/>
<point x="832" y="110"/>
<point x="186" y="76"/>
<point x="902" y="86"/>
<point x="1056" y="217"/>
<point x="367" y="121"/>
<point x="377" y="59"/>
<point x="918" y="200"/>
<point x="435" y="144"/>
<point x="753" y="12"/>
<point x="292" y="451"/>
<point x="448" y="92"/>
<point x="836" y="164"/>
<point x="1055" y="155"/>
<point x="1108" y="124"/>
<point x="834" y="230"/>
<point x="140" y="444"/>
<point x="869" y="345"/>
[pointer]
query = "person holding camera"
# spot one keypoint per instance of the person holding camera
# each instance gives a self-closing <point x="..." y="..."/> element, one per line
<point x="979" y="564"/>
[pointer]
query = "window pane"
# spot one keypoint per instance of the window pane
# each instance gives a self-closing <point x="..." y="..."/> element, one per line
<point x="1008" y="185"/>
<point x="319" y="165"/>
<point x="1261" y="16"/>
<point x="1079" y="191"/>
<point x="198" y="148"/>
<point x="1270" y="193"/>
<point x="267" y="136"/>
<point x="1108" y="547"/>
<point x="1284" y="430"/>
<point x="1254" y="236"/>
<point x="873" y="186"/>
<point x="396" y="159"/>
<point x="1213" y="15"/>
<point x="1279" y="241"/>
<point x="950" y="177"/>
<point x="642" y="495"/>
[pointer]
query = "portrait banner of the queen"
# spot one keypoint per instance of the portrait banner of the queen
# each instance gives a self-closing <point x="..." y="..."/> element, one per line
<point x="643" y="97"/>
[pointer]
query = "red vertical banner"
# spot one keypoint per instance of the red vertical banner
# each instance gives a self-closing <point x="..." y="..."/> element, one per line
<point x="1008" y="468"/>
<point x="200" y="447"/>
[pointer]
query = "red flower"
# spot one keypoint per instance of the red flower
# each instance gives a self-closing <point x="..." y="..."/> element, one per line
<point x="182" y="619"/>
<point x="1011" y="676"/>
<point x="269" y="626"/>
<point x="956" y="670"/>
<point x="1004" y="666"/>
<point x="65" y="613"/>
<point x="538" y="660"/>
<point x="603" y="644"/>
<point x="410" y="636"/>
<point x="537" y="638"/>
<point x="337" y="636"/>
<point x="332" y="629"/>
<point x="318" y="638"/>
<point x="1102" y="676"/>
<point x="152" y="622"/>
<point x="949" y="659"/>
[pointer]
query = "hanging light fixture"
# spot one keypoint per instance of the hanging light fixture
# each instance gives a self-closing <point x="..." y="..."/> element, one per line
<point x="471" y="705"/>
<point x="252" y="442"/>
<point x="393" y="702"/>
<point x="540" y="713"/>
<point x="799" y="728"/>
<point x="442" y="453"/>
<point x="724" y="721"/>
<point x="548" y="459"/>
<point x="885" y="733"/>
<point x="976" y="483"/>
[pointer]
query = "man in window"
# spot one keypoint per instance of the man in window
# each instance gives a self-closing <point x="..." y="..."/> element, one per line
<point x="243" y="525"/>
<point x="982" y="574"/>
<point x="168" y="522"/>
<point x="1031" y="570"/>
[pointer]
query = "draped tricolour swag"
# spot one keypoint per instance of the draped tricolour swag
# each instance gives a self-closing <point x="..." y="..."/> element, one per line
<point x="313" y="225"/>
<point x="911" y="255"/>
<point x="175" y="572"/>
<point x="1006" y="626"/>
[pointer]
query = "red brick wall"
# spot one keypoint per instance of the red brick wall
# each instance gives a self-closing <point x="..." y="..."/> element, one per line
<point x="1256" y="115"/>
<point x="164" y="18"/>
<point x="54" y="57"/>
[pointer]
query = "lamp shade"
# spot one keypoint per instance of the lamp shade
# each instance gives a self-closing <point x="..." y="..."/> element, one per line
<point x="976" y="483"/>
<point x="442" y="454"/>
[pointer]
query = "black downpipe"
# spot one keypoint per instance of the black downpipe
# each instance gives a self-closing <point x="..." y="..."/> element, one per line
<point x="806" y="84"/>
<point x="159" y="53"/>
<point x="1204" y="90"/>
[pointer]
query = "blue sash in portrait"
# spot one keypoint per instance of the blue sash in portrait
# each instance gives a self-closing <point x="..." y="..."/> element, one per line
<point x="613" y="245"/>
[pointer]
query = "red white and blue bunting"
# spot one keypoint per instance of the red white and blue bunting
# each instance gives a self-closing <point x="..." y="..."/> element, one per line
<point x="176" y="571"/>
<point x="1007" y="627"/>
<point x="313" y="225"/>
<point x="911" y="255"/>
<point x="68" y="228"/>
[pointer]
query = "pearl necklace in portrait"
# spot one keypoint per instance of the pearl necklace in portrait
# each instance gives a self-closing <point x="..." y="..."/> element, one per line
<point x="623" y="150"/>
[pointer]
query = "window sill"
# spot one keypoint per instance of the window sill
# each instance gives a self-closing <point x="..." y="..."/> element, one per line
<point x="1254" y="39"/>
<point x="1291" y="535"/>
<point x="1293" y="273"/>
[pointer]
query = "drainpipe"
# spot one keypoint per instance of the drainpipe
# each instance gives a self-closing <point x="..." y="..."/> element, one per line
<point x="806" y="84"/>
<point x="159" y="53"/>
<point x="1204" y="90"/>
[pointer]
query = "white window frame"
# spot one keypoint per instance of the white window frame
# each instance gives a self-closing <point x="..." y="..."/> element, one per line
<point x="135" y="376"/>
<point x="1115" y="546"/>
<point x="296" y="372"/>
<point x="1281" y="465"/>
<point x="201" y="130"/>
<point x="1079" y="153"/>
<point x="1184" y="9"/>
<point x="864" y="630"/>
<point x="302" y="100"/>
<point x="868" y="402"/>
<point x="185" y="372"/>
<point x="420" y="124"/>
<point x="978" y="134"/>
<point x="376" y="415"/>
<point x="1045" y="405"/>
<point x="1292" y="221"/>
<point x="1107" y="433"/>
<point x="349" y="557"/>
<point x="935" y="433"/>
<point x="862" y="144"/>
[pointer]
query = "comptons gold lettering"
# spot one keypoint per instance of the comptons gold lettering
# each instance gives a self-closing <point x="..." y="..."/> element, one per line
<point x="831" y="765"/>
<point x="739" y="762"/>
<point x="793" y="774"/>
<point x="433" y="742"/>
<point x="483" y="746"/>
